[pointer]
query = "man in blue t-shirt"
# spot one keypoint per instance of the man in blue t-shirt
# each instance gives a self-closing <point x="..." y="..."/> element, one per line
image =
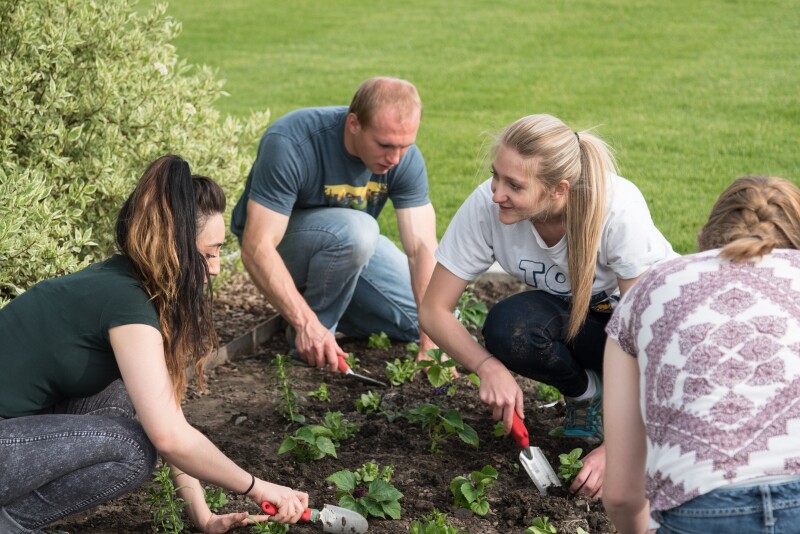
<point x="307" y="220"/>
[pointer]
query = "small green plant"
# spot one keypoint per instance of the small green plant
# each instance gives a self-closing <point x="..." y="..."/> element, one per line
<point x="412" y="349"/>
<point x="165" y="505"/>
<point x="321" y="393"/>
<point x="309" y="443"/>
<point x="215" y="498"/>
<point x="341" y="429"/>
<point x="401" y="371"/>
<point x="441" y="425"/>
<point x="378" y="498"/>
<point x="497" y="431"/>
<point x="571" y="464"/>
<point x="268" y="527"/>
<point x="547" y="393"/>
<point x="470" y="311"/>
<point x="470" y="492"/>
<point x="290" y="408"/>
<point x="433" y="523"/>
<point x="541" y="525"/>
<point x="379" y="341"/>
<point x="370" y="402"/>
<point x="438" y="368"/>
<point x="352" y="361"/>
<point x="371" y="471"/>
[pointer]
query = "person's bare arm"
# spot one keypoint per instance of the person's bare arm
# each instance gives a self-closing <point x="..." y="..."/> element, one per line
<point x="139" y="352"/>
<point x="417" y="227"/>
<point x="625" y="442"/>
<point x="499" y="390"/>
<point x="262" y="233"/>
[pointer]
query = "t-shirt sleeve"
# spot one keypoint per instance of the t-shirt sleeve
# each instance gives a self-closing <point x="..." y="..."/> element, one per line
<point x="128" y="304"/>
<point x="631" y="243"/>
<point x="277" y="173"/>
<point x="408" y="187"/>
<point x="466" y="247"/>
<point x="621" y="326"/>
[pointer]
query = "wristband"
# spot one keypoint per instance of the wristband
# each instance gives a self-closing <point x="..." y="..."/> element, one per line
<point x="252" y="483"/>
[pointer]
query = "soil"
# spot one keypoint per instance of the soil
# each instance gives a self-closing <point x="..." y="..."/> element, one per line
<point x="240" y="414"/>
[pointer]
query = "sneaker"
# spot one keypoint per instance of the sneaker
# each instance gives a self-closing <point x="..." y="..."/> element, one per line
<point x="584" y="419"/>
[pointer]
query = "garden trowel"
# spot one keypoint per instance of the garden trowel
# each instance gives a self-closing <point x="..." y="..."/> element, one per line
<point x="532" y="458"/>
<point x="330" y="518"/>
<point x="345" y="369"/>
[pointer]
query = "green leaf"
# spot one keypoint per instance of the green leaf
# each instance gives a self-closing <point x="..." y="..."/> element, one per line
<point x="380" y="490"/>
<point x="469" y="436"/>
<point x="481" y="508"/>
<point x="326" y="445"/>
<point x="287" y="445"/>
<point x="469" y="492"/>
<point x="372" y="506"/>
<point x="392" y="509"/>
<point x="344" y="480"/>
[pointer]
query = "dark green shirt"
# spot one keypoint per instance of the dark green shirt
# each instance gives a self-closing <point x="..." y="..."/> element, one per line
<point x="54" y="342"/>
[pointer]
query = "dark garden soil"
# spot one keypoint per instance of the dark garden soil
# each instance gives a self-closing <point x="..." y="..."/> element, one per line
<point x="239" y="414"/>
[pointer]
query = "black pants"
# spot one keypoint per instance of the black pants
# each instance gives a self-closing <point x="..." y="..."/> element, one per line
<point x="527" y="332"/>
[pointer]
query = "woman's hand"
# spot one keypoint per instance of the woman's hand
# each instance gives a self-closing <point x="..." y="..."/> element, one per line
<point x="500" y="391"/>
<point x="219" y="524"/>
<point x="589" y="481"/>
<point x="290" y="503"/>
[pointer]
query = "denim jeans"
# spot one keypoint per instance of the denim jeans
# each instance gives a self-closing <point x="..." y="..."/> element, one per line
<point x="356" y="280"/>
<point x="77" y="455"/>
<point x="527" y="332"/>
<point x="765" y="508"/>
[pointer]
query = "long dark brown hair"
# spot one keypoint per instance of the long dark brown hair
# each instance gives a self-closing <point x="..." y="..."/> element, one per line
<point x="157" y="230"/>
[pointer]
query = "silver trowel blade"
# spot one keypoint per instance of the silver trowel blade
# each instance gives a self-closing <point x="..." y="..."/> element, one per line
<point x="539" y="469"/>
<point x="342" y="520"/>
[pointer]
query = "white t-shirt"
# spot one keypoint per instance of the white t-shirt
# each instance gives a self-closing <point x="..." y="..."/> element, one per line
<point x="630" y="243"/>
<point x="718" y="348"/>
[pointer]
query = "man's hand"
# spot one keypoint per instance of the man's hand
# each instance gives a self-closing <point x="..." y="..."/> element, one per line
<point x="589" y="481"/>
<point x="317" y="346"/>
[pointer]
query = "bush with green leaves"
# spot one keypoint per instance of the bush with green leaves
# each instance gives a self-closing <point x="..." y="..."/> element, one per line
<point x="433" y="523"/>
<point x="470" y="491"/>
<point x="376" y="497"/>
<point x="90" y="93"/>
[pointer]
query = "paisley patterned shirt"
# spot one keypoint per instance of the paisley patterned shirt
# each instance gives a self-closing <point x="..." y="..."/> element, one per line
<point x="718" y="347"/>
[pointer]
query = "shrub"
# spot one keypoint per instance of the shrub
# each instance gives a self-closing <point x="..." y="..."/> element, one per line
<point x="90" y="93"/>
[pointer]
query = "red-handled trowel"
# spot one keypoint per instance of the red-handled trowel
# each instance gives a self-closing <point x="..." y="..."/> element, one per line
<point x="331" y="518"/>
<point x="532" y="458"/>
<point x="345" y="369"/>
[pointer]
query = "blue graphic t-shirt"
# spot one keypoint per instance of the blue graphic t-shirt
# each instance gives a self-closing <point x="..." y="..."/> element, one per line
<point x="302" y="163"/>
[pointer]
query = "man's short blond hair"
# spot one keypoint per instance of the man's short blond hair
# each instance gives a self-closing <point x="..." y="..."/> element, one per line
<point x="384" y="91"/>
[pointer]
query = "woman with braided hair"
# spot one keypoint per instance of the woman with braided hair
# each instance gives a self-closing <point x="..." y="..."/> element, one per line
<point x="83" y="353"/>
<point x="555" y="215"/>
<point x="702" y="374"/>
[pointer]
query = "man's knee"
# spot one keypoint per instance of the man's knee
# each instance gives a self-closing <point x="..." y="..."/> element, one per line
<point x="357" y="237"/>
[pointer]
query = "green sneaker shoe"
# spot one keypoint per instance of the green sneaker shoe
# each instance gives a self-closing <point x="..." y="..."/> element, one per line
<point x="584" y="419"/>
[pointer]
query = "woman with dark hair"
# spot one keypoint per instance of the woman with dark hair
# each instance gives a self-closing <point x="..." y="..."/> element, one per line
<point x="702" y="373"/>
<point x="83" y="353"/>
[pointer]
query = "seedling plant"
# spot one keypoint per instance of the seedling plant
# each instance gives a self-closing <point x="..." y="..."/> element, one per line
<point x="369" y="402"/>
<point x="433" y="523"/>
<point x="215" y="498"/>
<point x="290" y="408"/>
<point x="441" y="425"/>
<point x="547" y="393"/>
<point x="470" y="311"/>
<point x="165" y="505"/>
<point x="570" y="465"/>
<point x="352" y="361"/>
<point x="321" y="393"/>
<point x="376" y="497"/>
<point x="470" y="491"/>
<point x="541" y="525"/>
<point x="379" y="341"/>
<point x="268" y="527"/>
<point x="401" y="371"/>
<point x="439" y="368"/>
<point x="341" y="429"/>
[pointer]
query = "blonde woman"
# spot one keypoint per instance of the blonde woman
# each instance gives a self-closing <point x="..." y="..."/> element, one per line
<point x="83" y="353"/>
<point x="555" y="215"/>
<point x="703" y="373"/>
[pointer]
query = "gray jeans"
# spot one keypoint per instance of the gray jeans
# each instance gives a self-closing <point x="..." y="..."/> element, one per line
<point x="77" y="455"/>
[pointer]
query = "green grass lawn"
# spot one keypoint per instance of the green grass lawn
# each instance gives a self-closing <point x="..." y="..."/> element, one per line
<point x="691" y="93"/>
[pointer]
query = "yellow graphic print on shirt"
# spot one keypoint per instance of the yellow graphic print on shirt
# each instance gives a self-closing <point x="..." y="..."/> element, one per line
<point x="355" y="197"/>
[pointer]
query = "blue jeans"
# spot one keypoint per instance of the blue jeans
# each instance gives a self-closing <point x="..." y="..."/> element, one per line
<point x="79" y="454"/>
<point x="527" y="332"/>
<point x="765" y="508"/>
<point x="356" y="280"/>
